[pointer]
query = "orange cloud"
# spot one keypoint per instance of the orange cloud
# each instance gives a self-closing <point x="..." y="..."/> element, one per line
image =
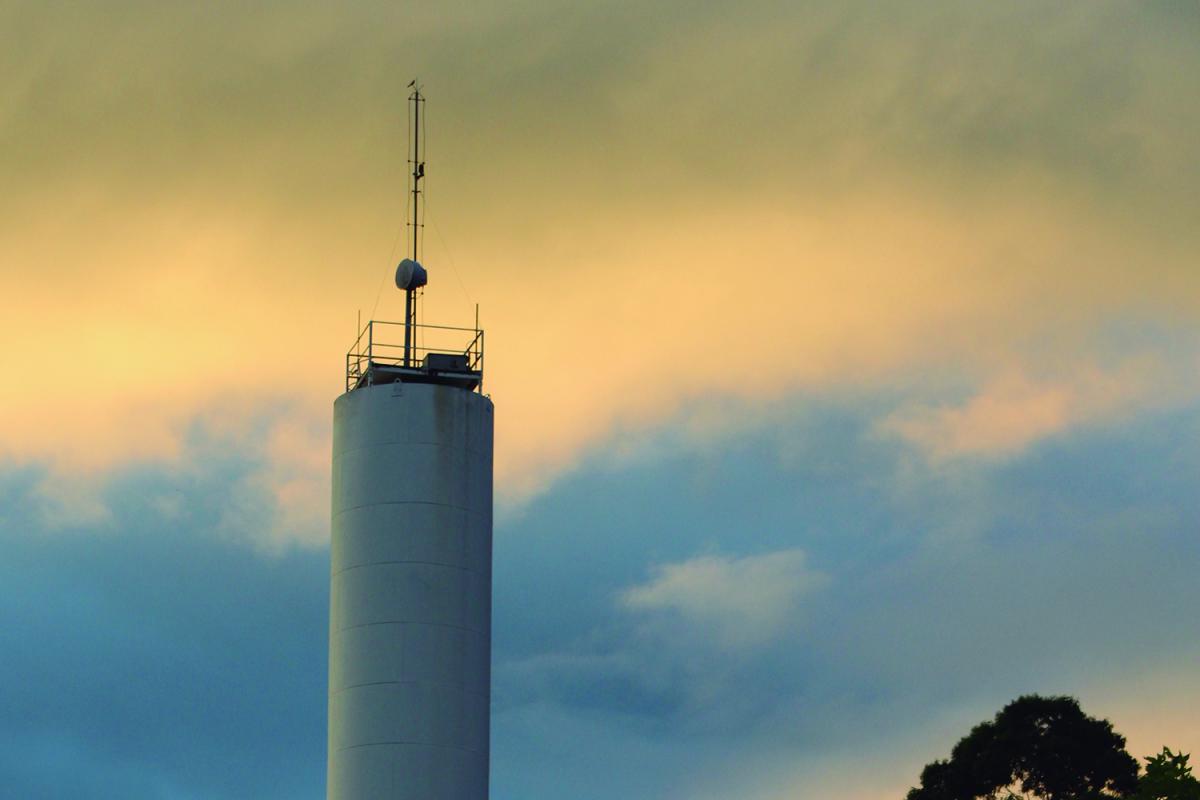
<point x="1014" y="411"/>
<point x="205" y="227"/>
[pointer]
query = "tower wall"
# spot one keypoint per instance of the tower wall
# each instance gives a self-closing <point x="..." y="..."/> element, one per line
<point x="410" y="595"/>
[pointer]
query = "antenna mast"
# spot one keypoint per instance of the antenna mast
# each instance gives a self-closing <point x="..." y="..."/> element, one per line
<point x="418" y="172"/>
<point x="418" y="167"/>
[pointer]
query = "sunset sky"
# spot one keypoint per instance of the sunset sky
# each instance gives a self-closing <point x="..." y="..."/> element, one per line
<point x="845" y="356"/>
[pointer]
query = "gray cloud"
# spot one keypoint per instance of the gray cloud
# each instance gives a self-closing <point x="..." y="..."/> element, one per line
<point x="1091" y="94"/>
<point x="730" y="602"/>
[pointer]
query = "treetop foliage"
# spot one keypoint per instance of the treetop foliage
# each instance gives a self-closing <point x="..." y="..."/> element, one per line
<point x="1037" y="747"/>
<point x="1168" y="777"/>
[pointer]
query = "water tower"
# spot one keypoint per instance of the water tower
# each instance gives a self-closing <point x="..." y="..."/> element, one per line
<point x="411" y="573"/>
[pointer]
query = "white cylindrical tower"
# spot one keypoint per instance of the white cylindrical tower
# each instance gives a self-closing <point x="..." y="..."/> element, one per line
<point x="411" y="579"/>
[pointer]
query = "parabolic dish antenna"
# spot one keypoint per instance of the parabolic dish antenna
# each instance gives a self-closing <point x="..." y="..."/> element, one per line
<point x="410" y="275"/>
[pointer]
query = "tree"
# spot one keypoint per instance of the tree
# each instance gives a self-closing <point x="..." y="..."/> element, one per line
<point x="1035" y="747"/>
<point x="1168" y="777"/>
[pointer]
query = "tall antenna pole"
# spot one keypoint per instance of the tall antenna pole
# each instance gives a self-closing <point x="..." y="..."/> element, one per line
<point x="418" y="172"/>
<point x="418" y="169"/>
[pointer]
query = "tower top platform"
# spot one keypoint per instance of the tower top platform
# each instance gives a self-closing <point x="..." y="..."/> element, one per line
<point x="437" y="354"/>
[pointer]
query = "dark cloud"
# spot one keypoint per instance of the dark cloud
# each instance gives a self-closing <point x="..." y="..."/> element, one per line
<point x="682" y="95"/>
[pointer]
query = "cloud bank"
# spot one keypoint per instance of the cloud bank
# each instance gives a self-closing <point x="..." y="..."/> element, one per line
<point x="199" y="201"/>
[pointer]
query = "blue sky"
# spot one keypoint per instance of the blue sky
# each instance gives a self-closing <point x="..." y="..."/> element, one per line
<point x="844" y="355"/>
<point x="687" y="617"/>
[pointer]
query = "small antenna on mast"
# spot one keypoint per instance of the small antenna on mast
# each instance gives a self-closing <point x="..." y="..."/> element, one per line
<point x="410" y="275"/>
<point x="418" y="167"/>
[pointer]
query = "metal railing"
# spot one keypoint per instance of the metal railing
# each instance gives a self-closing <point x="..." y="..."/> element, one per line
<point x="381" y="344"/>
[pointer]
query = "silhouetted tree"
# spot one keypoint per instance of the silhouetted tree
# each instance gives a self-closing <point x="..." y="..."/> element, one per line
<point x="1043" y="747"/>
<point x="1168" y="777"/>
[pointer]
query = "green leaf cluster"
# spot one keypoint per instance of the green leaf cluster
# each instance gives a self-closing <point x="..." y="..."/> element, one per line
<point x="1167" y="777"/>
